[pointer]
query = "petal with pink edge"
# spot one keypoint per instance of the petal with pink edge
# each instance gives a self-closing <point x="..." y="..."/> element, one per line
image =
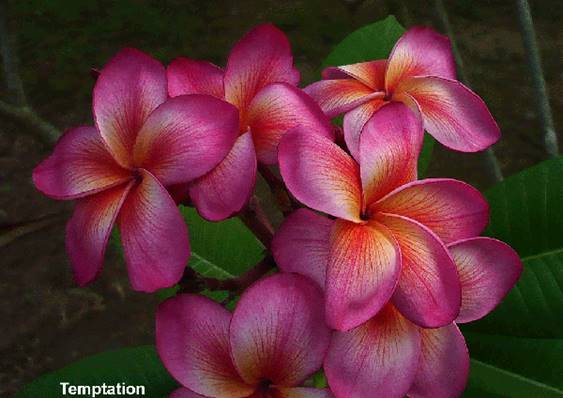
<point x="488" y="269"/>
<point x="192" y="339"/>
<point x="278" y="108"/>
<point x="428" y="292"/>
<point x="452" y="209"/>
<point x="302" y="392"/>
<point x="389" y="146"/>
<point x="185" y="393"/>
<point x="354" y="122"/>
<point x="226" y="189"/>
<point x="278" y="333"/>
<point x="320" y="174"/>
<point x="154" y="236"/>
<point x="128" y="89"/>
<point x="452" y="113"/>
<point x="371" y="73"/>
<point x="421" y="51"/>
<point x="363" y="269"/>
<point x="376" y="359"/>
<point x="301" y="244"/>
<point x="444" y="364"/>
<point x="186" y="137"/>
<point x="79" y="166"/>
<point x="188" y="76"/>
<point x="261" y="57"/>
<point x="88" y="231"/>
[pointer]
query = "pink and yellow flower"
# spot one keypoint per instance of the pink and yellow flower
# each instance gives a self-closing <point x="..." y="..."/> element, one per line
<point x="420" y="72"/>
<point x="117" y="171"/>
<point x="388" y="241"/>
<point x="260" y="81"/>
<point x="275" y="339"/>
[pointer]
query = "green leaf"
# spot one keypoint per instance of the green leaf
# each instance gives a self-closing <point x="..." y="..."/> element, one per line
<point x="139" y="366"/>
<point x="425" y="155"/>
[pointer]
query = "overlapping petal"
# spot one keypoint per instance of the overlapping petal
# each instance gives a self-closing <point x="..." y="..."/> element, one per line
<point x="192" y="339"/>
<point x="278" y="332"/>
<point x="188" y="76"/>
<point x="128" y="89"/>
<point x="320" y="174"/>
<point x="376" y="359"/>
<point x="226" y="189"/>
<point x="301" y="392"/>
<point x="301" y="244"/>
<point x="186" y="137"/>
<point x="452" y="113"/>
<point x="80" y="165"/>
<point x="452" y="209"/>
<point x="371" y="73"/>
<point x="278" y="108"/>
<point x="340" y="95"/>
<point x="154" y="236"/>
<point x="428" y="292"/>
<point x="354" y="122"/>
<point x="488" y="269"/>
<point x="363" y="269"/>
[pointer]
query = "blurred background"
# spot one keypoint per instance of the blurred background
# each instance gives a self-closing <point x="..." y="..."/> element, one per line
<point x="46" y="320"/>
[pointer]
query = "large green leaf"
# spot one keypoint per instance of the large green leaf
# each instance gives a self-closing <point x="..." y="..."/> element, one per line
<point x="138" y="366"/>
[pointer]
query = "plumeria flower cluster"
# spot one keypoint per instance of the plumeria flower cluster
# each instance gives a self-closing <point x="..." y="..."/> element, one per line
<point x="377" y="267"/>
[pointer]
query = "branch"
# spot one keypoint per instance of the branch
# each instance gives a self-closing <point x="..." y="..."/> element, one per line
<point x="44" y="131"/>
<point x="256" y="220"/>
<point x="11" y="232"/>
<point x="284" y="200"/>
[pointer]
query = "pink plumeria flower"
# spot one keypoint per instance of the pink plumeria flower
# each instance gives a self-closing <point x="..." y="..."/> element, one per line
<point x="118" y="170"/>
<point x="260" y="81"/>
<point x="420" y="73"/>
<point x="389" y="356"/>
<point x="390" y="234"/>
<point x="275" y="340"/>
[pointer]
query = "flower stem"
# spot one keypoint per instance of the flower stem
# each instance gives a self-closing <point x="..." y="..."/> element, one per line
<point x="285" y="202"/>
<point x="255" y="219"/>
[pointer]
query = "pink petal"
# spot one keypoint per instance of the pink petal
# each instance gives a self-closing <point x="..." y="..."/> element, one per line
<point x="225" y="190"/>
<point x="154" y="236"/>
<point x="128" y="89"/>
<point x="278" y="108"/>
<point x="376" y="359"/>
<point x="261" y="57"/>
<point x="184" y="393"/>
<point x="340" y="95"/>
<point x="363" y="269"/>
<point x="451" y="209"/>
<point x="488" y="269"/>
<point x="419" y="52"/>
<point x="301" y="392"/>
<point x="428" y="292"/>
<point x="371" y="73"/>
<point x="79" y="166"/>
<point x="88" y="231"/>
<point x="278" y="332"/>
<point x="389" y="148"/>
<point x="188" y="76"/>
<point x="320" y="174"/>
<point x="354" y="122"/>
<point x="192" y="339"/>
<point x="186" y="137"/>
<point x="301" y="244"/>
<point x="452" y="113"/>
<point x="444" y="364"/>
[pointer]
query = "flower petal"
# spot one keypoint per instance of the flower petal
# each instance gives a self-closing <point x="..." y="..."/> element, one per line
<point x="226" y="189"/>
<point x="301" y="244"/>
<point x="376" y="359"/>
<point x="184" y="393"/>
<point x="192" y="339"/>
<point x="302" y="392"/>
<point x="320" y="174"/>
<point x="444" y="364"/>
<point x="389" y="146"/>
<point x="261" y="57"/>
<point x="88" y="231"/>
<point x="363" y="269"/>
<point x="79" y="166"/>
<point x="278" y="108"/>
<point x="278" y="332"/>
<point x="452" y="113"/>
<point x="428" y="292"/>
<point x="354" y="122"/>
<point x="450" y="208"/>
<point x="128" y="89"/>
<point x="154" y="236"/>
<point x="371" y="73"/>
<point x="189" y="76"/>
<point x="488" y="269"/>
<point x="186" y="137"/>
<point x="420" y="51"/>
